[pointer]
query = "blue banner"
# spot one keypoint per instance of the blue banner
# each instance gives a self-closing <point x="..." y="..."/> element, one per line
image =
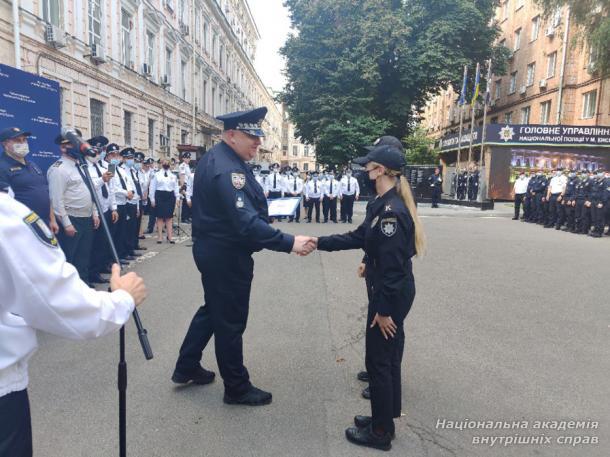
<point x="32" y="103"/>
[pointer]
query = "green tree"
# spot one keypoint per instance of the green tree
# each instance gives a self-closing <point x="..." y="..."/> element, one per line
<point x="419" y="148"/>
<point x="371" y="64"/>
<point x="593" y="19"/>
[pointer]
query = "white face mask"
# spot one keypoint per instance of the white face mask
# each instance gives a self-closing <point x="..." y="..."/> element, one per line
<point x="92" y="159"/>
<point x="21" y="149"/>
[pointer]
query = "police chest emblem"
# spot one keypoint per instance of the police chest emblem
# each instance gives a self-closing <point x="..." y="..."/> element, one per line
<point x="238" y="180"/>
<point x="388" y="226"/>
<point x="374" y="221"/>
<point x="40" y="229"/>
<point x="239" y="203"/>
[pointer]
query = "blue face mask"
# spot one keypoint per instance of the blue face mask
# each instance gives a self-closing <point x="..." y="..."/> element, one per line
<point x="129" y="163"/>
<point x="138" y="166"/>
<point x="102" y="155"/>
<point x="115" y="162"/>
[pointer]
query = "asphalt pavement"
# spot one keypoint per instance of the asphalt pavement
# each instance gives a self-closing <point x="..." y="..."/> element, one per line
<point x="510" y="324"/>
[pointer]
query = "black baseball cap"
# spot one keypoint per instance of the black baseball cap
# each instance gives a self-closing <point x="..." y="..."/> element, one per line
<point x="386" y="140"/>
<point x="389" y="156"/>
<point x="12" y="132"/>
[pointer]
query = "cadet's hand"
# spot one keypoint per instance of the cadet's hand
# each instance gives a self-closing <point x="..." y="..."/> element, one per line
<point x="361" y="270"/>
<point x="129" y="195"/>
<point x="115" y="217"/>
<point x="599" y="205"/>
<point x="559" y="198"/>
<point x="130" y="283"/>
<point x="189" y="203"/>
<point x="304" y="245"/>
<point x="357" y="197"/>
<point x="54" y="227"/>
<point x="588" y="204"/>
<point x="386" y="325"/>
<point x="96" y="222"/>
<point x="153" y="204"/>
<point x="70" y="230"/>
<point x="107" y="176"/>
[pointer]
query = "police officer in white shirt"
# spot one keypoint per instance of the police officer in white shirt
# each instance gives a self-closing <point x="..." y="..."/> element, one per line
<point x="331" y="194"/>
<point x="349" y="191"/>
<point x="520" y="190"/>
<point x="554" y="196"/>
<point x="164" y="193"/>
<point x="73" y="206"/>
<point x="275" y="182"/>
<point x="294" y="188"/>
<point x="41" y="291"/>
<point x="133" y="205"/>
<point x="260" y="179"/>
<point x="184" y="169"/>
<point x="151" y="168"/>
<point x="314" y="193"/>
<point x="123" y="190"/>
<point x="143" y="168"/>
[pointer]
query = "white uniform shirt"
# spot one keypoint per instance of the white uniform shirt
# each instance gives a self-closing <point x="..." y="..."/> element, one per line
<point x="521" y="185"/>
<point x="263" y="180"/>
<point x="41" y="291"/>
<point x="164" y="183"/>
<point x="184" y="169"/>
<point x="331" y="188"/>
<point x="558" y="184"/>
<point x="120" y="186"/>
<point x="349" y="186"/>
<point x="293" y="185"/>
<point x="275" y="183"/>
<point x="132" y="176"/>
<point x="189" y="187"/>
<point x="96" y="170"/>
<point x="144" y="177"/>
<point x="314" y="189"/>
<point x="68" y="191"/>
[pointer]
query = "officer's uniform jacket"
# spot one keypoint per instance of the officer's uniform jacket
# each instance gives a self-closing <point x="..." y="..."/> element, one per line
<point x="189" y="187"/>
<point x="314" y="189"/>
<point x="185" y="170"/>
<point x="598" y="190"/>
<point x="44" y="292"/>
<point x="570" y="189"/>
<point x="229" y="206"/>
<point x="581" y="191"/>
<point x="435" y="182"/>
<point x="27" y="183"/>
<point x="69" y="193"/>
<point x="349" y="186"/>
<point x="387" y="236"/>
<point x="557" y="184"/>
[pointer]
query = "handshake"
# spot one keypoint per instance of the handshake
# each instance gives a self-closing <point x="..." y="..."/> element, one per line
<point x="304" y="245"/>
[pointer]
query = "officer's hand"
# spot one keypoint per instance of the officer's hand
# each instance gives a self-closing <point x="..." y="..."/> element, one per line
<point x="361" y="270"/>
<point x="599" y="205"/>
<point x="115" y="217"/>
<point x="153" y="204"/>
<point x="54" y="227"/>
<point x="70" y="230"/>
<point x="304" y="245"/>
<point x="130" y="283"/>
<point x="107" y="176"/>
<point x="96" y="222"/>
<point x="306" y="199"/>
<point x="386" y="325"/>
<point x="189" y="203"/>
<point x="559" y="198"/>
<point x="357" y="197"/>
<point x="129" y="195"/>
<point x="588" y="204"/>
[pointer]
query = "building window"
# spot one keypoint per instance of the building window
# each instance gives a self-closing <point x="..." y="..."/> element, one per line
<point x="557" y="17"/>
<point x="183" y="79"/>
<point x="97" y="117"/>
<point x="535" y="28"/>
<point x="204" y="97"/>
<point x="205" y="36"/>
<point x="295" y="151"/>
<point x="214" y="48"/>
<point x="220" y="102"/>
<point x="508" y="117"/>
<point x="95" y="22"/>
<point x="184" y="137"/>
<point x="151" y="134"/>
<point x="551" y="59"/>
<point x="545" y="112"/>
<point x="589" y="104"/>
<point x="525" y="115"/>
<point x="517" y="40"/>
<point x="168" y="135"/>
<point x="305" y="167"/>
<point x="531" y="72"/>
<point x="213" y="101"/>
<point x="168" y="65"/>
<point x="127" y="119"/>
<point x="51" y="12"/>
<point x="126" y="38"/>
<point x="150" y="51"/>
<point x="494" y="120"/>
<point x="593" y="55"/>
<point x="513" y="83"/>
<point x="498" y="89"/>
<point x="505" y="7"/>
<point x="197" y="25"/>
<point x="220" y="56"/>
<point x="306" y="151"/>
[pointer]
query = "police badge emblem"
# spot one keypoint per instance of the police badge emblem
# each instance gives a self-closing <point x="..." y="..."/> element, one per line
<point x="388" y="226"/>
<point x="238" y="180"/>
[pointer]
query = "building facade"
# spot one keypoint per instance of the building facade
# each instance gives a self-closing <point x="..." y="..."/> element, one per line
<point x="151" y="74"/>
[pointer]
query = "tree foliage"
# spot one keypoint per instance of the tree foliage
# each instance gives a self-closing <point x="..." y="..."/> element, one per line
<point x="593" y="19"/>
<point x="358" y="69"/>
<point x="419" y="149"/>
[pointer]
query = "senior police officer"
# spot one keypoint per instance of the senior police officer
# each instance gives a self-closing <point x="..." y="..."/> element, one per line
<point x="436" y="187"/>
<point x="230" y="222"/>
<point x="45" y="293"/>
<point x="26" y="180"/>
<point x="348" y="192"/>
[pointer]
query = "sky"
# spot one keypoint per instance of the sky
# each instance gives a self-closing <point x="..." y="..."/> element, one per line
<point x="273" y="25"/>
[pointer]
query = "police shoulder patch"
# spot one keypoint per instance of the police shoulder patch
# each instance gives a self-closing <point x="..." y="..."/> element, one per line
<point x="388" y="226"/>
<point x="238" y="180"/>
<point x="40" y="229"/>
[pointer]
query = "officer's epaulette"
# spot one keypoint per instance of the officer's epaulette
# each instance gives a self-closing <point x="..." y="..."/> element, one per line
<point x="16" y="168"/>
<point x="58" y="163"/>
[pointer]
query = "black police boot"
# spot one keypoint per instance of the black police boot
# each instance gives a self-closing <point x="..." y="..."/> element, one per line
<point x="366" y="393"/>
<point x="363" y="376"/>
<point x="366" y="437"/>
<point x="253" y="397"/>
<point x="200" y="376"/>
<point x="365" y="421"/>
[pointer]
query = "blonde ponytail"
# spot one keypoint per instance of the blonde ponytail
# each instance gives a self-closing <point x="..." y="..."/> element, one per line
<point x="404" y="190"/>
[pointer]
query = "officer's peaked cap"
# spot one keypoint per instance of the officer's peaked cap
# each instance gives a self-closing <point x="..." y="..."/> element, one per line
<point x="112" y="148"/>
<point x="295" y="169"/>
<point x="128" y="153"/>
<point x="388" y="156"/>
<point x="98" y="141"/>
<point x="12" y="132"/>
<point x="149" y="161"/>
<point x="139" y="156"/>
<point x="386" y="141"/>
<point x="249" y="122"/>
<point x="60" y="139"/>
<point x="186" y="155"/>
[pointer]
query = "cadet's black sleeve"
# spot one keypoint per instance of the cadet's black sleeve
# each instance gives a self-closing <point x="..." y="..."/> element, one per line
<point x="245" y="218"/>
<point x="392" y="258"/>
<point x="349" y="240"/>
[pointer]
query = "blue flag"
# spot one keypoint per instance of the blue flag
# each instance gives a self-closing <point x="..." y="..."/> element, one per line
<point x="462" y="100"/>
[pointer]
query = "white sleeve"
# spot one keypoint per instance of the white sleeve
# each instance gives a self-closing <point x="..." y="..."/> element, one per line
<point x="357" y="188"/>
<point x="176" y="188"/>
<point x="153" y="188"/>
<point x="189" y="188"/>
<point x="116" y="186"/>
<point x="57" y="188"/>
<point x="42" y="288"/>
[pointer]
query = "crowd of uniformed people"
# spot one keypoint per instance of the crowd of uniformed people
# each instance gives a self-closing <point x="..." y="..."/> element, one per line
<point x="577" y="201"/>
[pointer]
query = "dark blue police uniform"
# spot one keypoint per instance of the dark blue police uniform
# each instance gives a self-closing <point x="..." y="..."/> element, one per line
<point x="230" y="222"/>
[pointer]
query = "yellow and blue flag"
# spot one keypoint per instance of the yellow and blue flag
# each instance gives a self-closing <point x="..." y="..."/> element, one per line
<point x="477" y="85"/>
<point x="462" y="100"/>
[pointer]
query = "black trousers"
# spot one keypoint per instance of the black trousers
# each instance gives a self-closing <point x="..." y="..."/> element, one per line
<point x="554" y="209"/>
<point x="597" y="215"/>
<point x="131" y="229"/>
<point x="347" y="207"/>
<point x="77" y="248"/>
<point x="583" y="217"/>
<point x="313" y="203"/>
<point x="226" y="276"/>
<point x="325" y="201"/>
<point x="538" y="208"/>
<point x="519" y="199"/>
<point x="569" y="212"/>
<point x="297" y="214"/>
<point x="151" y="218"/>
<point x="383" y="361"/>
<point x="120" y="233"/>
<point x="186" y="211"/>
<point x="330" y="208"/>
<point x="101" y="254"/>
<point x="15" y="425"/>
<point x="473" y="192"/>
<point x="436" y="197"/>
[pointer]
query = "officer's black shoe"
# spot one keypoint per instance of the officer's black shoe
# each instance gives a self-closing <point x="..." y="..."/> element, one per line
<point x="363" y="376"/>
<point x="350" y="221"/>
<point x="200" y="376"/>
<point x="595" y="235"/>
<point x="141" y="248"/>
<point x="366" y="393"/>
<point x="366" y="437"/>
<point x="124" y="262"/>
<point x="254" y="397"/>
<point x="365" y="421"/>
<point x="515" y="218"/>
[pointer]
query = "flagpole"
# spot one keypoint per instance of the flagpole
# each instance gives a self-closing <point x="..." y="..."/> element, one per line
<point x="461" y="103"/>
<point x="485" y="103"/>
<point x="472" y="118"/>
